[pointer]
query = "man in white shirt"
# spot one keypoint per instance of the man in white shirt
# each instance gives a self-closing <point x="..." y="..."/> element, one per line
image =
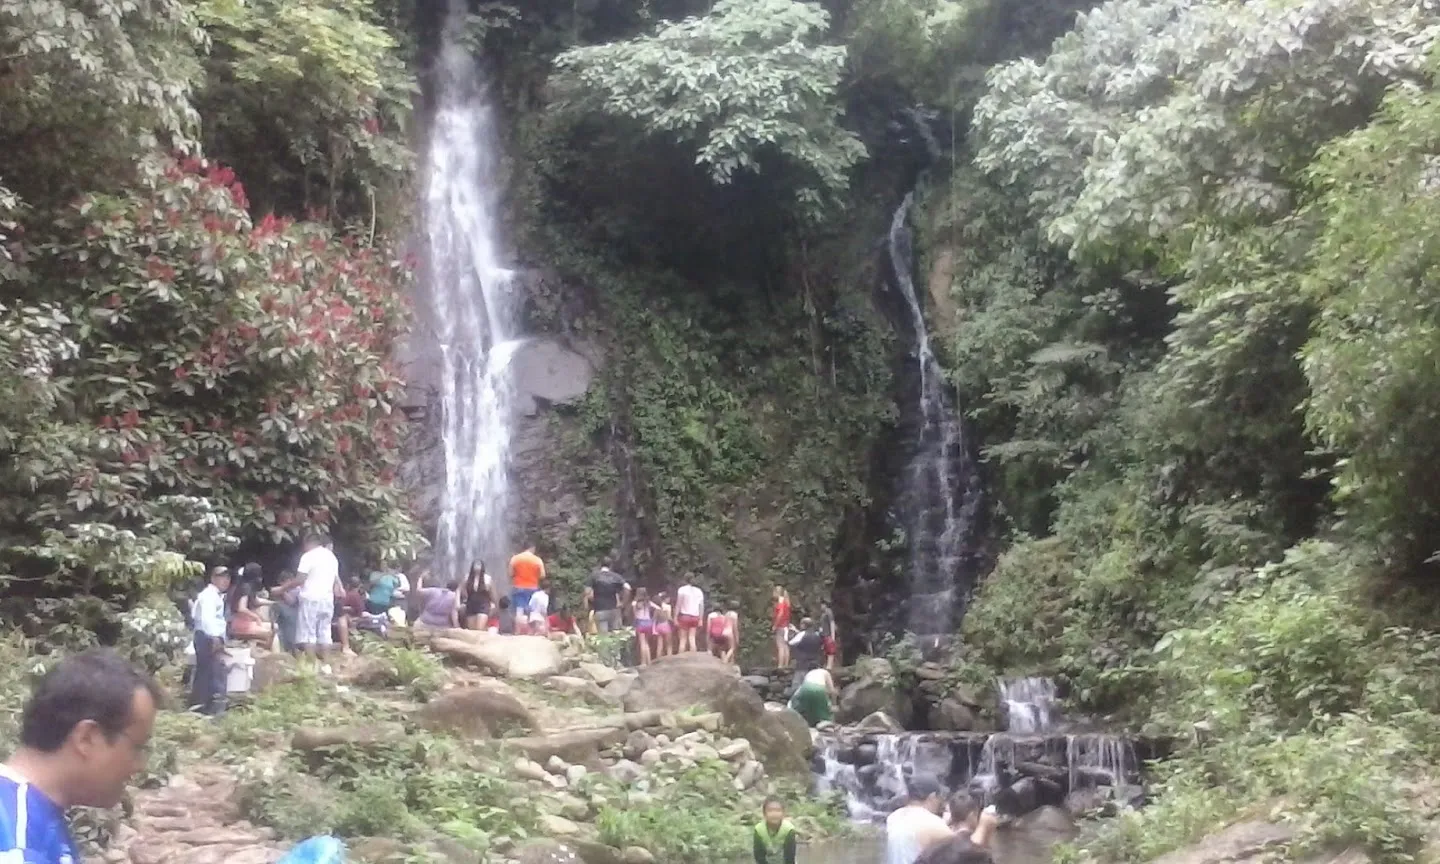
<point x="689" y="609"/>
<point x="918" y="825"/>
<point x="207" y="688"/>
<point x="319" y="581"/>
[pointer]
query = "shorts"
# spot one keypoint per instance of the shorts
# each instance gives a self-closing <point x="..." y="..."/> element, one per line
<point x="607" y="620"/>
<point x="520" y="598"/>
<point x="312" y="625"/>
<point x="477" y="604"/>
<point x="688" y="622"/>
<point x="812" y="703"/>
<point x="721" y="642"/>
<point x="827" y="644"/>
<point x="644" y="628"/>
<point x="663" y="628"/>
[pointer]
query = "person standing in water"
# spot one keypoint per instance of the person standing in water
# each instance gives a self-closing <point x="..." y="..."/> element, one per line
<point x="775" y="838"/>
<point x="780" y="625"/>
<point x="917" y="826"/>
<point x="973" y="829"/>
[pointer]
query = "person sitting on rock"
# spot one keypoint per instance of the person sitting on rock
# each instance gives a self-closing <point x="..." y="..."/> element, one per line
<point x="775" y="838"/>
<point x="83" y="734"/>
<point x="504" y="621"/>
<point x="812" y="699"/>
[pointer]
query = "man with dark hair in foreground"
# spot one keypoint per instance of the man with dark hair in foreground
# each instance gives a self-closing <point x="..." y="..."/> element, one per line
<point x="973" y="829"/>
<point x="84" y="733"/>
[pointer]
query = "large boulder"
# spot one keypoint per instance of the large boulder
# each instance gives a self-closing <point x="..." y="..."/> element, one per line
<point x="510" y="656"/>
<point x="780" y="738"/>
<point x="952" y="715"/>
<point x="477" y="712"/>
<point x="875" y="689"/>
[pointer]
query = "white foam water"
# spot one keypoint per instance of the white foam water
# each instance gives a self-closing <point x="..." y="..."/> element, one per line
<point x="471" y="311"/>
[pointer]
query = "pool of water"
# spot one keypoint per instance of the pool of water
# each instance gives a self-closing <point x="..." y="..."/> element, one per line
<point x="1025" y="841"/>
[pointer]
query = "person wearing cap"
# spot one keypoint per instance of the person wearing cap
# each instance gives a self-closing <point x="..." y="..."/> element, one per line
<point x="918" y="825"/>
<point x="207" y="688"/>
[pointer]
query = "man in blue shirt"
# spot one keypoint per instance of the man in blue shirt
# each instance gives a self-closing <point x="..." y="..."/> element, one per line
<point x="84" y="733"/>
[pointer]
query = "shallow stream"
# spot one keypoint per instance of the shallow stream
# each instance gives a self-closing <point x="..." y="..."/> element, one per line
<point x="1026" y="841"/>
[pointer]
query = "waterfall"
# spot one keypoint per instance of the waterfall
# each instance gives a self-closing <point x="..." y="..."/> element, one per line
<point x="1029" y="704"/>
<point x="941" y="486"/>
<point x="471" y="310"/>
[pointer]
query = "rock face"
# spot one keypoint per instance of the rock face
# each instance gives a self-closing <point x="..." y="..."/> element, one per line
<point x="873" y="690"/>
<point x="477" y="712"/>
<point x="779" y="738"/>
<point x="510" y="656"/>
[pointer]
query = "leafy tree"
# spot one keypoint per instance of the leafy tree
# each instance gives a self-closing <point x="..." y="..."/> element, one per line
<point x="169" y="347"/>
<point x="1373" y="357"/>
<point x="750" y="80"/>
<point x="88" y="85"/>
<point x="309" y="101"/>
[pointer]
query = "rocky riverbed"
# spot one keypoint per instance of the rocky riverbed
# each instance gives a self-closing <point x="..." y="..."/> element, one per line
<point x="517" y="749"/>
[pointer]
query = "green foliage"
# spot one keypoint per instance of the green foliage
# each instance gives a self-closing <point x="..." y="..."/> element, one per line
<point x="698" y="814"/>
<point x="90" y="85"/>
<point x="749" y="79"/>
<point x="198" y="378"/>
<point x="419" y="672"/>
<point x="1371" y="358"/>
<point x="309" y="102"/>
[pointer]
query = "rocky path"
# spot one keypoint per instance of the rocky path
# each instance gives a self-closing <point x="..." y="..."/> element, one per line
<point x="192" y="820"/>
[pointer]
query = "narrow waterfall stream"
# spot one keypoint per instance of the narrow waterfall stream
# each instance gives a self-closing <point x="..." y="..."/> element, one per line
<point x="471" y="310"/>
<point x="941" y="495"/>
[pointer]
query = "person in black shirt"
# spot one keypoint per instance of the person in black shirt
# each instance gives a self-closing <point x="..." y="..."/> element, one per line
<point x="806" y="649"/>
<point x="604" y="593"/>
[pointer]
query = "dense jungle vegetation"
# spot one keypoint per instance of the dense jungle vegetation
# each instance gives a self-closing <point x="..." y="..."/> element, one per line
<point x="1179" y="255"/>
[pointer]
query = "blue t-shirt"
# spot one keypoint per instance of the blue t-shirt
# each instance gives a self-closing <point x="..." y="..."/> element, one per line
<point x="33" y="829"/>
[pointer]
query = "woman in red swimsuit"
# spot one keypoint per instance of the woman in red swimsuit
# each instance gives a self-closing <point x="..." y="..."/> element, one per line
<point x="780" y="623"/>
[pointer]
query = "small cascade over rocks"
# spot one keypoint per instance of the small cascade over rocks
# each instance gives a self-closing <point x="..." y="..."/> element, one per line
<point x="1035" y="762"/>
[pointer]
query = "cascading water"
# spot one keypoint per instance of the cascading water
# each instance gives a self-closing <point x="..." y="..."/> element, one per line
<point x="941" y="491"/>
<point x="1029" y="704"/>
<point x="1033" y="762"/>
<point x="471" y="309"/>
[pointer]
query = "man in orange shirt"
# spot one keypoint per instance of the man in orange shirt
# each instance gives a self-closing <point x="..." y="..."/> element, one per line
<point x="526" y="571"/>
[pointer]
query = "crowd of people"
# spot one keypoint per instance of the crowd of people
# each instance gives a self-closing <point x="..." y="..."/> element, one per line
<point x="313" y="610"/>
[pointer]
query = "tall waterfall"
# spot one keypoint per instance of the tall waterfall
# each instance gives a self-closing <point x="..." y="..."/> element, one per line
<point x="941" y="495"/>
<point x="472" y="311"/>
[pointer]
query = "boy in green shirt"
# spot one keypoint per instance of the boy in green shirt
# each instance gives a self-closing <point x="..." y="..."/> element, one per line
<point x="774" y="835"/>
